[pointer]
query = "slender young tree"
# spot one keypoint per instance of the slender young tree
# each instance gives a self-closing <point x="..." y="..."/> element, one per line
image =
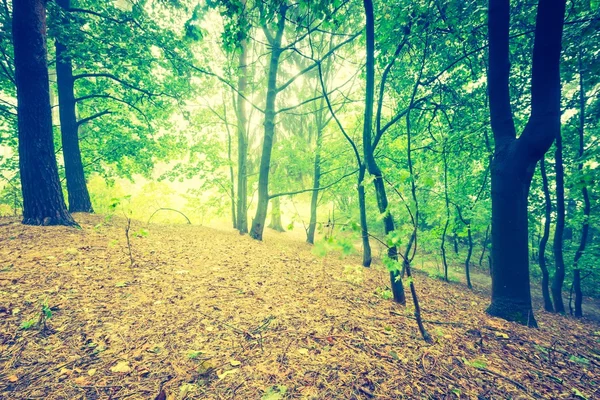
<point x="585" y="228"/>
<point x="368" y="150"/>
<point x="515" y="158"/>
<point x="43" y="202"/>
<point x="544" y="240"/>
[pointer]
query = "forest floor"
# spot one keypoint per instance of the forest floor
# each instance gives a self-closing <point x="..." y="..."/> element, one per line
<point x="210" y="314"/>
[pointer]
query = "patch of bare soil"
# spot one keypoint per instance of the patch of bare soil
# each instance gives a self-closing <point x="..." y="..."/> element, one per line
<point x="209" y="314"/>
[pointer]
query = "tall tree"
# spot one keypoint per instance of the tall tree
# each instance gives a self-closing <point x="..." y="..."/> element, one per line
<point x="369" y="146"/>
<point x="515" y="158"/>
<point x="43" y="202"/>
<point x="77" y="191"/>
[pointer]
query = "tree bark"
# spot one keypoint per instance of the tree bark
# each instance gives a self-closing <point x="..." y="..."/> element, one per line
<point x="515" y="159"/>
<point x="314" y="200"/>
<point x="276" y="215"/>
<point x="544" y="240"/>
<point x="362" y="206"/>
<point x="77" y="191"/>
<point x="242" y="136"/>
<point x="585" y="228"/>
<point x="258" y="224"/>
<point x="559" y="261"/>
<point x="43" y="201"/>
<point x="445" y="231"/>
<point x="371" y="164"/>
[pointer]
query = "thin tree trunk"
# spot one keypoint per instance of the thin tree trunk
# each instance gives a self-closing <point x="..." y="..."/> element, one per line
<point x="231" y="180"/>
<point x="544" y="240"/>
<point x="276" y="215"/>
<point x="559" y="262"/>
<point x="467" y="223"/>
<point x="484" y="246"/>
<point x="310" y="236"/>
<point x="362" y="205"/>
<point x="258" y="224"/>
<point x="242" y="136"/>
<point x="43" y="201"/>
<point x="372" y="167"/>
<point x="442" y="246"/>
<point x="585" y="228"/>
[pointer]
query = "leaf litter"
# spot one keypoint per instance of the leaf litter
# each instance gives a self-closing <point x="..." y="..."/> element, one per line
<point x="256" y="320"/>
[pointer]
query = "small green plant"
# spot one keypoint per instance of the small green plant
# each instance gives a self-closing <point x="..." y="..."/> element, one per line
<point x="26" y="325"/>
<point x="193" y="354"/>
<point x="384" y="293"/>
<point x="353" y="274"/>
<point x="41" y="322"/>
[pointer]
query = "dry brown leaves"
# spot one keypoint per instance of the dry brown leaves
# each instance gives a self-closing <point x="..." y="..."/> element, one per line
<point x="210" y="314"/>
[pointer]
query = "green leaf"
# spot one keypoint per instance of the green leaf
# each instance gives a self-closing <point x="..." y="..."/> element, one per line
<point x="274" y="393"/>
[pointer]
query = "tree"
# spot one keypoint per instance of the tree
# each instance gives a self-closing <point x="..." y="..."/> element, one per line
<point x="78" y="195"/>
<point x="43" y="202"/>
<point x="515" y="158"/>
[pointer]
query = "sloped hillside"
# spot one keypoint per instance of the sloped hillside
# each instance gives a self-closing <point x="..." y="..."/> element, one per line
<point x="209" y="314"/>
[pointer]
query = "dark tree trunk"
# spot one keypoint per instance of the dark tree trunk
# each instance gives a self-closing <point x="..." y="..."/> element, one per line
<point x="362" y="205"/>
<point x="372" y="167"/>
<point x="585" y="228"/>
<point x="242" y="122"/>
<point x="442" y="246"/>
<point x="310" y="236"/>
<point x="467" y="223"/>
<point x="78" y="195"/>
<point x="258" y="224"/>
<point x="43" y="201"/>
<point x="544" y="240"/>
<point x="578" y="293"/>
<point x="515" y="159"/>
<point x="455" y="242"/>
<point x="484" y="246"/>
<point x="559" y="261"/>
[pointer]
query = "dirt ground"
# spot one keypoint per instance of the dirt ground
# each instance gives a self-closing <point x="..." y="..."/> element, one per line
<point x="210" y="314"/>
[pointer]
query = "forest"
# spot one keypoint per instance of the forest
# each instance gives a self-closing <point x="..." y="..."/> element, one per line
<point x="277" y="199"/>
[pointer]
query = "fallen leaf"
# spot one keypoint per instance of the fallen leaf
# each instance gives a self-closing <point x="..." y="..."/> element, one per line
<point x="80" y="380"/>
<point x="235" y="363"/>
<point x="13" y="378"/>
<point x="223" y="374"/>
<point x="303" y="351"/>
<point x="122" y="366"/>
<point x="92" y="372"/>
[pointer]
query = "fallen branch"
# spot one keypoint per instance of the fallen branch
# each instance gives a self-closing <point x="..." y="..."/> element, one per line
<point x="169" y="209"/>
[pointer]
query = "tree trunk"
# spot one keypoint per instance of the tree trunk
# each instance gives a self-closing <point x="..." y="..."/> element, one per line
<point x="78" y="195"/>
<point x="442" y="246"/>
<point x="515" y="158"/>
<point x="468" y="259"/>
<point x="372" y="167"/>
<point x="242" y="136"/>
<point x="231" y="179"/>
<point x="544" y="240"/>
<point x="455" y="242"/>
<point x="362" y="205"/>
<point x="578" y="294"/>
<point x="258" y="224"/>
<point x="310" y="236"/>
<point x="484" y="246"/>
<point x="559" y="262"/>
<point x="585" y="228"/>
<point x="43" y="201"/>
<point x="276" y="215"/>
